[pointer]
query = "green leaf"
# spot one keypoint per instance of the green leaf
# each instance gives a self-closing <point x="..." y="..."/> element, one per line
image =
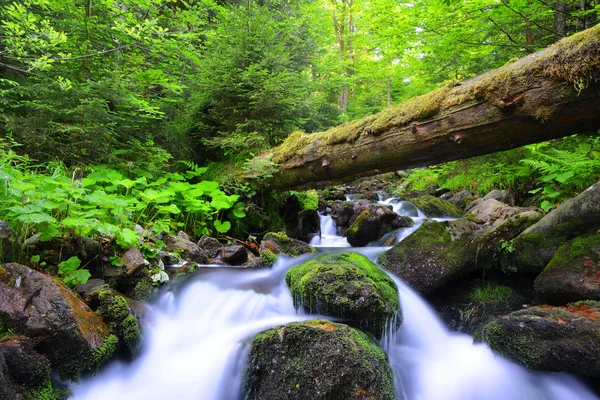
<point x="222" y="227"/>
<point x="66" y="268"/>
<point x="79" y="277"/>
<point x="239" y="210"/>
<point x="546" y="205"/>
<point x="565" y="176"/>
<point x="170" y="209"/>
<point x="127" y="238"/>
<point x="49" y="232"/>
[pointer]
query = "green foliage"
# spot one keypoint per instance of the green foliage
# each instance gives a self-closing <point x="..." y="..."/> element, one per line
<point x="71" y="274"/>
<point x="109" y="202"/>
<point x="490" y="293"/>
<point x="557" y="170"/>
<point x="309" y="200"/>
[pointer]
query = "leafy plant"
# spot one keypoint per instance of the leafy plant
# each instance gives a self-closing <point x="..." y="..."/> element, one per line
<point x="71" y="273"/>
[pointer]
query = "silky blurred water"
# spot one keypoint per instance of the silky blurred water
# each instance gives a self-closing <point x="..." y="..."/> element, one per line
<point x="197" y="344"/>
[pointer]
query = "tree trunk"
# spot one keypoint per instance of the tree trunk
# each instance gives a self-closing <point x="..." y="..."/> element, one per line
<point x="561" y="10"/>
<point x="545" y="95"/>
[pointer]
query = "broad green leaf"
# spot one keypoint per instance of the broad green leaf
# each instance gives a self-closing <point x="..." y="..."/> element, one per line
<point x="48" y="233"/>
<point x="69" y="266"/>
<point x="222" y="227"/>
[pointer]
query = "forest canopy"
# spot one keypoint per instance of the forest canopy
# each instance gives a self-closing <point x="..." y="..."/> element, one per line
<point x="95" y="81"/>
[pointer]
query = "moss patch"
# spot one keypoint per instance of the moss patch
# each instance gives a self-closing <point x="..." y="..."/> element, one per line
<point x="120" y="320"/>
<point x="434" y="207"/>
<point x="348" y="286"/>
<point x="287" y="359"/>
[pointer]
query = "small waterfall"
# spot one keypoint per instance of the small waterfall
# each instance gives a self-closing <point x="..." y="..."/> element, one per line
<point x="197" y="345"/>
<point x="329" y="236"/>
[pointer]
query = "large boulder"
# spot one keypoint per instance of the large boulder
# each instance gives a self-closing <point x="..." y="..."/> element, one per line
<point x="348" y="286"/>
<point x="550" y="338"/>
<point x="234" y="254"/>
<point x="573" y="273"/>
<point x="434" y="207"/>
<point x="373" y="224"/>
<point x="24" y="373"/>
<point x="462" y="199"/>
<point x="62" y="326"/>
<point x="344" y="213"/>
<point x="186" y="249"/>
<point x="535" y="247"/>
<point x="440" y="251"/>
<point x="279" y="242"/>
<point x="210" y="245"/>
<point x="317" y="360"/>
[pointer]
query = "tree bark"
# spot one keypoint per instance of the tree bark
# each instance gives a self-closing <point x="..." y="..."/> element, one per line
<point x="545" y="95"/>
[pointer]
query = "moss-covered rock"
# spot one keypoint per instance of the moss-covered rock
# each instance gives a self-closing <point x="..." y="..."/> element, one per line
<point x="274" y="243"/>
<point x="373" y="224"/>
<point x="440" y="251"/>
<point x="120" y="319"/>
<point x="550" y="338"/>
<point x="434" y="207"/>
<point x="348" y="286"/>
<point x="317" y="360"/>
<point x="24" y="373"/>
<point x="64" y="328"/>
<point x="573" y="273"/>
<point x="535" y="247"/>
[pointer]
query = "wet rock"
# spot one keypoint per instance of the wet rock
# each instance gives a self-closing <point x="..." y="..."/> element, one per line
<point x="24" y="373"/>
<point x="63" y="327"/>
<point x="535" y="247"/>
<point x="317" y="360"/>
<point x="373" y="224"/>
<point x="169" y="259"/>
<point x="550" y="338"/>
<point x="131" y="269"/>
<point x="278" y="242"/>
<point x="133" y="260"/>
<point x="573" y="273"/>
<point x="434" y="207"/>
<point x="345" y="213"/>
<point x="439" y="192"/>
<point x="88" y="286"/>
<point x="210" y="245"/>
<point x="440" y="251"/>
<point x="234" y="255"/>
<point x="347" y="286"/>
<point x="503" y="196"/>
<point x="462" y="199"/>
<point x="115" y="311"/>
<point x="187" y="249"/>
<point x="370" y="196"/>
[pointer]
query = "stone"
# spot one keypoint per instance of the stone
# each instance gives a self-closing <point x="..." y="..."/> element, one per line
<point x="317" y="360"/>
<point x="186" y="249"/>
<point x="434" y="207"/>
<point x="535" y="247"/>
<point x="234" y="255"/>
<point x="274" y="243"/>
<point x="373" y="224"/>
<point x="64" y="328"/>
<point x="503" y="196"/>
<point x="547" y="338"/>
<point x="210" y="245"/>
<point x="438" y="252"/>
<point x="347" y="286"/>
<point x="573" y="273"/>
<point x="462" y="199"/>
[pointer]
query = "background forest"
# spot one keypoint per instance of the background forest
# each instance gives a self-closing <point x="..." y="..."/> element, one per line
<point x="142" y="85"/>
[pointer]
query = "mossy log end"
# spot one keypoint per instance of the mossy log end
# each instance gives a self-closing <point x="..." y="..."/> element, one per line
<point x="548" y="94"/>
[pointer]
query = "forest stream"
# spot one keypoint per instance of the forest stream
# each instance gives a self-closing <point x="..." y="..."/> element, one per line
<point x="198" y="342"/>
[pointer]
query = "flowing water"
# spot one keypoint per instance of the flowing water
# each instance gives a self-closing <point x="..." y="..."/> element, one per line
<point x="197" y="343"/>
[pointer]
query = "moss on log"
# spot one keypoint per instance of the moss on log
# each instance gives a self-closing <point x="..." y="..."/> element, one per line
<point x="548" y="94"/>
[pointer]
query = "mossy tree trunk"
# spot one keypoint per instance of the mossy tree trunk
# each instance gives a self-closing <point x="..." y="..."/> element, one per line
<point x="546" y="95"/>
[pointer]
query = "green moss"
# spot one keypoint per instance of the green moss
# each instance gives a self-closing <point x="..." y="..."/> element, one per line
<point x="349" y="364"/>
<point x="47" y="392"/>
<point x="118" y="316"/>
<point x="143" y="290"/>
<point x="435" y="207"/>
<point x="268" y="257"/>
<point x="103" y="353"/>
<point x="346" y="285"/>
<point x="6" y="277"/>
<point x="576" y="248"/>
<point x="490" y="294"/>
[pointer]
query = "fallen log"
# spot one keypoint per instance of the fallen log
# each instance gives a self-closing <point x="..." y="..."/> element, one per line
<point x="545" y="95"/>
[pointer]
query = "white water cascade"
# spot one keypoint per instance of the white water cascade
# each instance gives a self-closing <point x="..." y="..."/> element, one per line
<point x="197" y="344"/>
